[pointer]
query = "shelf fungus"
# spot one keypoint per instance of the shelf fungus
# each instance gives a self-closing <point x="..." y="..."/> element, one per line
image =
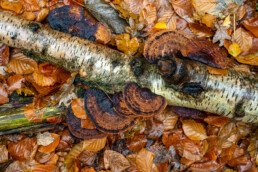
<point x="72" y="19"/>
<point x="100" y="109"/>
<point x="74" y="126"/>
<point x="142" y="102"/>
<point x="169" y="43"/>
<point x="119" y="105"/>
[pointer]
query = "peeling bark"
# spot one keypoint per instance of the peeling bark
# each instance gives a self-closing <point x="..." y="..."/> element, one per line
<point x="234" y="95"/>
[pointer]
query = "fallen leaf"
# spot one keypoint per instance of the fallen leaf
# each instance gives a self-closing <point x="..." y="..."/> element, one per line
<point x="204" y="5"/>
<point x="42" y="15"/>
<point x="73" y="154"/>
<point x="115" y="161"/>
<point x="244" y="39"/>
<point x="206" y="166"/>
<point x="168" y="118"/>
<point x="43" y="80"/>
<point x="4" y="55"/>
<point x="12" y="6"/>
<point x="3" y="95"/>
<point x="137" y="142"/>
<point x="251" y="24"/>
<point x="126" y="44"/>
<point x="32" y="114"/>
<point x="43" y="157"/>
<point x="209" y="20"/>
<point x="148" y="14"/>
<point x="144" y="160"/>
<point x="88" y="169"/>
<point x="242" y="68"/>
<point x="4" y="154"/>
<point x="15" y="82"/>
<point x="52" y="146"/>
<point x="160" y="25"/>
<point x="45" y="168"/>
<point x="24" y="149"/>
<point x="251" y="59"/>
<point x="78" y="108"/>
<point x="29" y="16"/>
<point x="44" y="139"/>
<point x="183" y="8"/>
<point x="200" y="30"/>
<point x="216" y="71"/>
<point x="88" y="157"/>
<point x="30" y="5"/>
<point x="234" y="49"/>
<point x="94" y="144"/>
<point x="20" y="64"/>
<point x="194" y="130"/>
<point x="221" y="34"/>
<point x="169" y="18"/>
<point x="217" y="120"/>
<point x="240" y="13"/>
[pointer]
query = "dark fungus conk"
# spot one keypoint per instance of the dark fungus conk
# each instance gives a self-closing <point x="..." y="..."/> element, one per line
<point x="167" y="43"/>
<point x="119" y="105"/>
<point x="142" y="102"/>
<point x="100" y="109"/>
<point x="74" y="126"/>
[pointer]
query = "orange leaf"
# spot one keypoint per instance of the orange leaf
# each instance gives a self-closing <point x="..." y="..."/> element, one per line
<point x="78" y="108"/>
<point x="216" y="71"/>
<point x="42" y="14"/>
<point x="31" y="114"/>
<point x="216" y="120"/>
<point x="251" y="59"/>
<point x="4" y="55"/>
<point x="209" y="20"/>
<point x="52" y="146"/>
<point x="94" y="144"/>
<point x="244" y="39"/>
<point x="206" y="166"/>
<point x="4" y="154"/>
<point x="13" y="6"/>
<point x="137" y="142"/>
<point x="88" y="169"/>
<point x="204" y="5"/>
<point x="144" y="160"/>
<point x="52" y="2"/>
<point x="200" y="30"/>
<point x="251" y="24"/>
<point x="194" y="130"/>
<point x="47" y="69"/>
<point x="30" y="5"/>
<point x="3" y="95"/>
<point x="45" y="168"/>
<point x="54" y="119"/>
<point x="43" y="80"/>
<point x="15" y="82"/>
<point x="20" y="64"/>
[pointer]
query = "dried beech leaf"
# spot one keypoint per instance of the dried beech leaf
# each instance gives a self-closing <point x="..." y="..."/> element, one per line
<point x="42" y="14"/>
<point x="241" y="13"/>
<point x="32" y="114"/>
<point x="234" y="49"/>
<point x="30" y="5"/>
<point x="148" y="14"/>
<point x="20" y="64"/>
<point x="160" y="25"/>
<point x="144" y="160"/>
<point x="221" y="35"/>
<point x="216" y="120"/>
<point x="251" y="24"/>
<point x="73" y="154"/>
<point x="4" y="55"/>
<point x="4" y="154"/>
<point x="94" y="144"/>
<point x="3" y="95"/>
<point x="206" y="166"/>
<point x="12" y="6"/>
<point x="126" y="44"/>
<point x="24" y="149"/>
<point x="194" y="130"/>
<point x="209" y="20"/>
<point x="244" y="39"/>
<point x="43" y="80"/>
<point x="52" y="146"/>
<point x="168" y="117"/>
<point x="78" y="108"/>
<point x="200" y="30"/>
<point x="216" y="71"/>
<point x="204" y="5"/>
<point x="115" y="161"/>
<point x="44" y="138"/>
<point x="137" y="142"/>
<point x="88" y="157"/>
<point x="15" y="82"/>
<point x="45" y="168"/>
<point x="183" y="8"/>
<point x="29" y="16"/>
<point x="170" y="19"/>
<point x="251" y="59"/>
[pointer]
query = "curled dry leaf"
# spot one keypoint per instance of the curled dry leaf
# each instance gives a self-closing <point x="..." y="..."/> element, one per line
<point x="206" y="166"/>
<point x="194" y="130"/>
<point x="44" y="138"/>
<point x="4" y="55"/>
<point x="115" y="161"/>
<point x="170" y="19"/>
<point x="43" y="80"/>
<point x="126" y="44"/>
<point x="3" y="95"/>
<point x="216" y="120"/>
<point x="137" y="142"/>
<point x="200" y="30"/>
<point x="78" y="108"/>
<point x="204" y="5"/>
<point x="168" y="117"/>
<point x="43" y="157"/>
<point x="148" y="14"/>
<point x="144" y="160"/>
<point x="183" y="8"/>
<point x="73" y="154"/>
<point x="209" y="20"/>
<point x="251" y="59"/>
<point x="24" y="149"/>
<point x="15" y="82"/>
<point x="251" y="24"/>
<point x="4" y="154"/>
<point x="52" y="146"/>
<point x="88" y="157"/>
<point x="45" y="168"/>
<point x="42" y="14"/>
<point x="94" y="144"/>
<point x="30" y="5"/>
<point x="20" y="64"/>
<point x="32" y="114"/>
<point x="244" y="39"/>
<point x="12" y="6"/>
<point x="234" y="49"/>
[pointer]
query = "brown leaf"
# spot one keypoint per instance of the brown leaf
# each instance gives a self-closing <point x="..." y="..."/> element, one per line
<point x="170" y="18"/>
<point x="115" y="161"/>
<point x="87" y="157"/>
<point x="214" y="148"/>
<point x="251" y="24"/>
<point x="244" y="39"/>
<point x="20" y="64"/>
<point x="216" y="71"/>
<point x="194" y="130"/>
<point x="200" y="30"/>
<point x="24" y="149"/>
<point x="94" y="144"/>
<point x="45" y="168"/>
<point x="169" y="118"/>
<point x="204" y="5"/>
<point x="154" y="128"/>
<point x="42" y="14"/>
<point x="43" y="80"/>
<point x="4" y="55"/>
<point x="3" y="95"/>
<point x="183" y="8"/>
<point x="206" y="166"/>
<point x="15" y="82"/>
<point x="43" y="157"/>
<point x="52" y="146"/>
<point x="148" y="14"/>
<point x="191" y="149"/>
<point x="173" y="138"/>
<point x="144" y="160"/>
<point x="137" y="142"/>
<point x="209" y="20"/>
<point x="240" y="13"/>
<point x="78" y="108"/>
<point x="221" y="35"/>
<point x="4" y="154"/>
<point x="32" y="114"/>
<point x="73" y="154"/>
<point x="216" y="120"/>
<point x="30" y="5"/>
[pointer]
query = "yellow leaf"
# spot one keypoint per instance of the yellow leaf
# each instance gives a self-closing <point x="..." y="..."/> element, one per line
<point x="20" y="64"/>
<point x="160" y="25"/>
<point x="73" y="154"/>
<point x="194" y="130"/>
<point x="209" y="20"/>
<point x="204" y="5"/>
<point x="94" y="144"/>
<point x="226" y="22"/>
<point x="251" y="59"/>
<point x="144" y="160"/>
<point x="234" y="49"/>
<point x="244" y="39"/>
<point x="13" y="6"/>
<point x="25" y="91"/>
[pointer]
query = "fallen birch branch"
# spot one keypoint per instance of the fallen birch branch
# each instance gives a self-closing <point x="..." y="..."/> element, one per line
<point x="234" y="95"/>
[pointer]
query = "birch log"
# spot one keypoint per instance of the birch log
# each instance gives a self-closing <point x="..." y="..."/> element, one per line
<point x="234" y="95"/>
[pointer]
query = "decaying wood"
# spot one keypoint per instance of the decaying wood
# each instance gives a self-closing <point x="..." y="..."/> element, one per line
<point x="234" y="95"/>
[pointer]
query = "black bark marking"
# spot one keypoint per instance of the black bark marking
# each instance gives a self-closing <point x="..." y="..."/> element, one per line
<point x="14" y="36"/>
<point x="192" y="88"/>
<point x="136" y="66"/>
<point x="33" y="27"/>
<point x="239" y="110"/>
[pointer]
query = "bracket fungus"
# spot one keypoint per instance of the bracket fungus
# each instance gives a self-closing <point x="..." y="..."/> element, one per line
<point x="74" y="125"/>
<point x="142" y="102"/>
<point x="100" y="109"/>
<point x="119" y="105"/>
<point x="169" y="42"/>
